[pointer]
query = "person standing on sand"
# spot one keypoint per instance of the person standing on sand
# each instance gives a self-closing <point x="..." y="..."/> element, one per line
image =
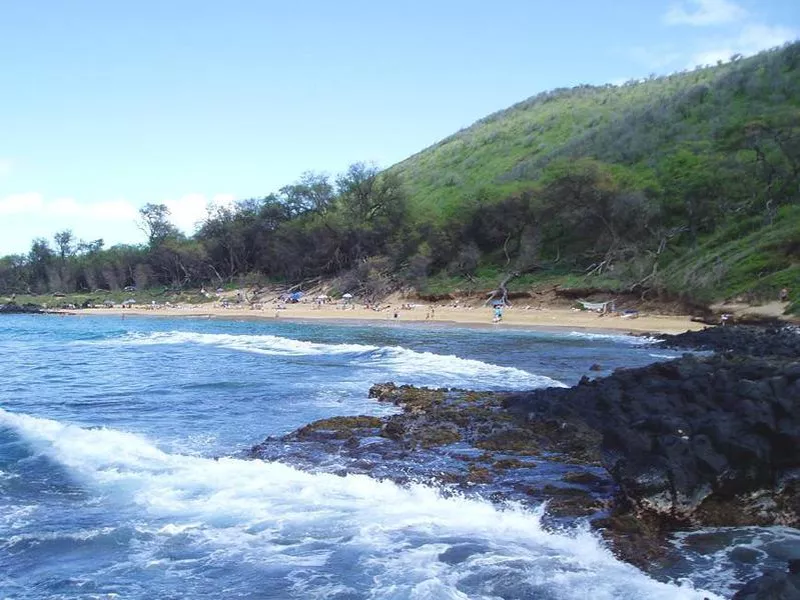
<point x="498" y="314"/>
<point x="783" y="295"/>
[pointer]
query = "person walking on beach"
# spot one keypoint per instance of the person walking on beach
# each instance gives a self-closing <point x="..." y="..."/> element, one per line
<point x="498" y="313"/>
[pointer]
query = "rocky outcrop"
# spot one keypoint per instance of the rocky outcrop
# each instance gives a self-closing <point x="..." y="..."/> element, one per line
<point x="458" y="438"/>
<point x="697" y="440"/>
<point x="776" y="340"/>
<point x="12" y="308"/>
<point x="700" y="440"/>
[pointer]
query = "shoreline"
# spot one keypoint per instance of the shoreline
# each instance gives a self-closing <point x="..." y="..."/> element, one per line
<point x="515" y="318"/>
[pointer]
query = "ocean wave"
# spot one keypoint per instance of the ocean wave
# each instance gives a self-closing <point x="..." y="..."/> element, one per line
<point x="452" y="370"/>
<point x="411" y="541"/>
<point x="416" y="367"/>
<point x="633" y="340"/>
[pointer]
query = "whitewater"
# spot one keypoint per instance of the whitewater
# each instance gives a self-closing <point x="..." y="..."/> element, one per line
<point x="121" y="476"/>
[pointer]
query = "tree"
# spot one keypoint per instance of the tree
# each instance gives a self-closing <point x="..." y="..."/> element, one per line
<point x="64" y="240"/>
<point x="92" y="247"/>
<point x="154" y="222"/>
<point x="40" y="259"/>
<point x="312" y="192"/>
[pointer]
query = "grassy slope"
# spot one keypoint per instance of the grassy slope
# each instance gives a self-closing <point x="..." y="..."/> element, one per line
<point x="632" y="126"/>
<point x="487" y="155"/>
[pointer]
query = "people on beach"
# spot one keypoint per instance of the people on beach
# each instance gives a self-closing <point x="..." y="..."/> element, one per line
<point x="783" y="295"/>
<point x="498" y="313"/>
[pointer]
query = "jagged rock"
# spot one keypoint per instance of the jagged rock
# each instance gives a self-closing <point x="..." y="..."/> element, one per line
<point x="776" y="340"/>
<point x="697" y="440"/>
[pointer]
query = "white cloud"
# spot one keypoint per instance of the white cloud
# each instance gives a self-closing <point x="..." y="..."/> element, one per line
<point x="64" y="207"/>
<point x="755" y="38"/>
<point x="189" y="210"/>
<point x="700" y="13"/>
<point x="16" y="204"/>
<point x="751" y="39"/>
<point x="113" y="210"/>
<point x="25" y="216"/>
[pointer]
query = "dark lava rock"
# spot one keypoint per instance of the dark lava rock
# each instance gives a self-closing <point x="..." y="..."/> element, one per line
<point x="776" y="340"/>
<point x="693" y="441"/>
<point x="461" y="439"/>
<point x="12" y="308"/>
<point x="773" y="585"/>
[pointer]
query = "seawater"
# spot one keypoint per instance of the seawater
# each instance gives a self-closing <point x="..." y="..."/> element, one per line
<point x="119" y="476"/>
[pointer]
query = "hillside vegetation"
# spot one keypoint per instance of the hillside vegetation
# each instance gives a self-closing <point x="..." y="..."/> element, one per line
<point x="686" y="184"/>
<point x="682" y="186"/>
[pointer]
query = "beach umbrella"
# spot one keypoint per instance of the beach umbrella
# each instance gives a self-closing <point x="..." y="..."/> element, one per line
<point x="322" y="297"/>
<point x="130" y="301"/>
<point x="347" y="296"/>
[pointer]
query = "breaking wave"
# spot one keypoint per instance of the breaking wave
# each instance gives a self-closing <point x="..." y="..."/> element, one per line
<point x="411" y="365"/>
<point x="315" y="535"/>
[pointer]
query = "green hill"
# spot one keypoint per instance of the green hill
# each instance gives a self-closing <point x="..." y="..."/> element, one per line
<point x="680" y="174"/>
<point x="635" y="125"/>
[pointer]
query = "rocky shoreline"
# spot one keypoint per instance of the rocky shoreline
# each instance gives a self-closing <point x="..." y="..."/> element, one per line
<point x="12" y="308"/>
<point x="697" y="441"/>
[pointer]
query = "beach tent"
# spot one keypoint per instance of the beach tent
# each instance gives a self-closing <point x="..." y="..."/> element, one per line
<point x="295" y="297"/>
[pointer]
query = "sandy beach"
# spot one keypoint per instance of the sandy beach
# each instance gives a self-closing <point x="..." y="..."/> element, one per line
<point x="551" y="317"/>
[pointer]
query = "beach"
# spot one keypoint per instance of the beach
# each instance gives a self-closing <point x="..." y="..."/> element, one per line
<point x="535" y="318"/>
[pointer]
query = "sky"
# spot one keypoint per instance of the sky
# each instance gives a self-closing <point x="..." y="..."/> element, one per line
<point x="106" y="106"/>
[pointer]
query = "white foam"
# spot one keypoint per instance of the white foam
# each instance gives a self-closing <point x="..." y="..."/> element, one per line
<point x="452" y="370"/>
<point x="259" y="512"/>
<point x="415" y="367"/>
<point x="260" y="344"/>
<point x="633" y="340"/>
<point x="717" y="559"/>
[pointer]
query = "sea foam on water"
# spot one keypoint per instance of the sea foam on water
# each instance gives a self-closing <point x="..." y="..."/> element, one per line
<point x="419" y="367"/>
<point x="322" y="533"/>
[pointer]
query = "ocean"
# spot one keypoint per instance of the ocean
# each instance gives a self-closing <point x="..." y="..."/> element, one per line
<point x="122" y="472"/>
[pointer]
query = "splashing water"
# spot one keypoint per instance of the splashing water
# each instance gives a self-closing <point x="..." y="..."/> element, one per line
<point x="363" y="537"/>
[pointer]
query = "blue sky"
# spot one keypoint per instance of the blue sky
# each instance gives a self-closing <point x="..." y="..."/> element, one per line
<point x="109" y="105"/>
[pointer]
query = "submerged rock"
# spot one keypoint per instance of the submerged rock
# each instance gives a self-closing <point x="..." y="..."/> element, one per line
<point x="773" y="585"/>
<point x="462" y="439"/>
